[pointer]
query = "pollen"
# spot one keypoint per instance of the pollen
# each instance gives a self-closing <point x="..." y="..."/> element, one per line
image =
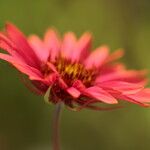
<point x="71" y="72"/>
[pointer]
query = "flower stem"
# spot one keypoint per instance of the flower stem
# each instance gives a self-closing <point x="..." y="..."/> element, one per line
<point x="56" y="126"/>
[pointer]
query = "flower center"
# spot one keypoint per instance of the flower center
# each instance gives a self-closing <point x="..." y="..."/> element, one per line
<point x="71" y="72"/>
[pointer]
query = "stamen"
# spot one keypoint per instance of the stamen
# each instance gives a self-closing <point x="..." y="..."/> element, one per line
<point x="70" y="72"/>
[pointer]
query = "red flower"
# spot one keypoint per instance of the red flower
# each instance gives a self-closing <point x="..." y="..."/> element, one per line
<point x="74" y="76"/>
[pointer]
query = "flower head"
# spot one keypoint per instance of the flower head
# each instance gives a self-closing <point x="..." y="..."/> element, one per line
<point x="70" y="72"/>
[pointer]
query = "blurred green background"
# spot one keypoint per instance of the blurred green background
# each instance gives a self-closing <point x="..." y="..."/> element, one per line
<point x="25" y="119"/>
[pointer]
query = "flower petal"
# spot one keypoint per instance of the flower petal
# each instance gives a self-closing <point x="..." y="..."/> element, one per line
<point x="68" y="45"/>
<point x="116" y="55"/>
<point x="33" y="73"/>
<point x="6" y="43"/>
<point x="9" y="47"/>
<point x="52" y="43"/>
<point x="120" y="86"/>
<point x="40" y="49"/>
<point x="82" y="48"/>
<point x="21" y="43"/>
<point x="131" y="99"/>
<point x="73" y="92"/>
<point x="100" y="94"/>
<point x="79" y="85"/>
<point x="97" y="58"/>
<point x="141" y="96"/>
<point x="112" y="68"/>
<point x="123" y="75"/>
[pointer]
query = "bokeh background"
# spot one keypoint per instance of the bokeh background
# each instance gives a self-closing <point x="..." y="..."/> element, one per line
<point x="25" y="119"/>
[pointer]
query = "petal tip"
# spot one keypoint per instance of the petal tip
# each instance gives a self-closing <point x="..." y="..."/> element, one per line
<point x="73" y="92"/>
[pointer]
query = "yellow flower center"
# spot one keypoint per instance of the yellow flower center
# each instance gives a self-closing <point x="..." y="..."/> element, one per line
<point x="71" y="72"/>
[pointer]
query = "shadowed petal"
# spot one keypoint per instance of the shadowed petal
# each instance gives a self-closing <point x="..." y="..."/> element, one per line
<point x="79" y="85"/>
<point x="100" y="94"/>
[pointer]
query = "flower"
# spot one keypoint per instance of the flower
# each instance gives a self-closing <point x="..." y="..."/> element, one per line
<point x="70" y="72"/>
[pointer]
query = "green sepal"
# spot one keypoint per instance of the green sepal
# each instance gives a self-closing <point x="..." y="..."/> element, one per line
<point x="47" y="95"/>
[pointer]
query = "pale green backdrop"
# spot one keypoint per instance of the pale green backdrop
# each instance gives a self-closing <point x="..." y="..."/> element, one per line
<point x="25" y="120"/>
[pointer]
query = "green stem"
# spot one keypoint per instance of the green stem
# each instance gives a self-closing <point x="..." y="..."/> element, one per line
<point x="56" y="126"/>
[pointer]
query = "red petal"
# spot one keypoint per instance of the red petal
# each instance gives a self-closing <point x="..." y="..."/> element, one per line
<point x="100" y="94"/>
<point x="79" y="85"/>
<point x="38" y="46"/>
<point x="33" y="73"/>
<point x="52" y="42"/>
<point x="97" y="58"/>
<point x="123" y="87"/>
<point x="82" y="47"/>
<point x="141" y="96"/>
<point x="116" y="55"/>
<point x="122" y="75"/>
<point x="132" y="100"/>
<point x="73" y="92"/>
<point x="9" y="47"/>
<point x="68" y="45"/>
<point x="21" y="43"/>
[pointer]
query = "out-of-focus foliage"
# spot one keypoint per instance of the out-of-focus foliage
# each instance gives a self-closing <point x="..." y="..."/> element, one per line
<point x="25" y="119"/>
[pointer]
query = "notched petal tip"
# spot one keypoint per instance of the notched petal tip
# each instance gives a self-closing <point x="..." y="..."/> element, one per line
<point x="51" y="33"/>
<point x="82" y="47"/>
<point x="52" y="42"/>
<point x="115" y="55"/>
<point x="69" y="34"/>
<point x="97" y="57"/>
<point x="85" y="40"/>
